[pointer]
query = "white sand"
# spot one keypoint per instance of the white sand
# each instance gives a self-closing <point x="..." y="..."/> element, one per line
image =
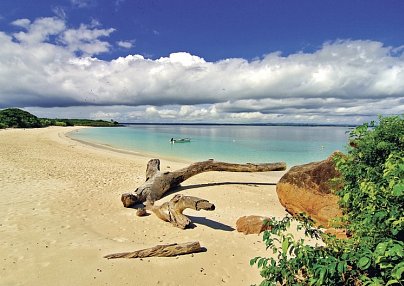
<point x="60" y="213"/>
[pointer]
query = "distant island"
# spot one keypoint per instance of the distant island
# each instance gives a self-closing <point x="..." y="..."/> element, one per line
<point x="17" y="118"/>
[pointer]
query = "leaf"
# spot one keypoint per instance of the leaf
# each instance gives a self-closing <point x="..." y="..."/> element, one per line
<point x="381" y="248"/>
<point x="397" y="272"/>
<point x="398" y="190"/>
<point x="341" y="267"/>
<point x="364" y="263"/>
<point x="285" y="246"/>
<point x="392" y="282"/>
<point x="260" y="262"/>
<point x="320" y="280"/>
<point x="345" y="198"/>
<point x="253" y="261"/>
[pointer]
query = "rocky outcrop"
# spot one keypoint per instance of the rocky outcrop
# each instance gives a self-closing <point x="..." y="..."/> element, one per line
<point x="308" y="188"/>
<point x="252" y="224"/>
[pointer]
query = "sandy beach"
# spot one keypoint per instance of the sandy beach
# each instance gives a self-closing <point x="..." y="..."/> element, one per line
<point x="60" y="213"/>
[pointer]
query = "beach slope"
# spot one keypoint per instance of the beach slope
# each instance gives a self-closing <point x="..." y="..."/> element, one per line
<point x="60" y="213"/>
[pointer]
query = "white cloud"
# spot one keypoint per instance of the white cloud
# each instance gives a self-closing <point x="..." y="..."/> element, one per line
<point x="86" y="40"/>
<point x="48" y="64"/>
<point x="183" y="59"/>
<point x="83" y="3"/>
<point x="125" y="44"/>
<point x="24" y="23"/>
<point x="39" y="31"/>
<point x="101" y="115"/>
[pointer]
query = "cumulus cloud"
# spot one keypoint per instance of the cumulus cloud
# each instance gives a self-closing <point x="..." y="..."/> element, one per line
<point x="86" y="40"/>
<point x="39" y="31"/>
<point x="21" y="23"/>
<point x="49" y="64"/>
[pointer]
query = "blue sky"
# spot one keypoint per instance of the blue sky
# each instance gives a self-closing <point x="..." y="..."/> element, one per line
<point x="204" y="61"/>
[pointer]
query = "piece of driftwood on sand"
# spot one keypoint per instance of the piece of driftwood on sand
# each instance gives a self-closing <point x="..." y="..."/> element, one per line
<point x="158" y="183"/>
<point x="171" y="211"/>
<point x="164" y="250"/>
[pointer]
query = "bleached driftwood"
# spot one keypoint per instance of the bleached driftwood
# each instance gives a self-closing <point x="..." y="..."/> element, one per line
<point x="164" y="250"/>
<point x="158" y="183"/>
<point x="171" y="211"/>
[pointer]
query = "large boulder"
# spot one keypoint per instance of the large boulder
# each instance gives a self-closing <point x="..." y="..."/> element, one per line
<point x="308" y="188"/>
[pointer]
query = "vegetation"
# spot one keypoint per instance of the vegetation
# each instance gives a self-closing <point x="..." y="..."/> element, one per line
<point x="17" y="118"/>
<point x="372" y="199"/>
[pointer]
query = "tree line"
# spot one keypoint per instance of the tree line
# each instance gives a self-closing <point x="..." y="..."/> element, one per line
<point x="17" y="118"/>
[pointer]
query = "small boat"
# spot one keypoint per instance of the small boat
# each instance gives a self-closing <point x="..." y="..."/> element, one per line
<point x="182" y="140"/>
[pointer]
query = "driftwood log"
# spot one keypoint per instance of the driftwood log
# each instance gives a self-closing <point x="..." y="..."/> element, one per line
<point x="158" y="183"/>
<point x="164" y="250"/>
<point x="172" y="211"/>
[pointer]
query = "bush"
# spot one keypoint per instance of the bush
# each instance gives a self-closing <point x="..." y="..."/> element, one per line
<point x="60" y="123"/>
<point x="45" y="122"/>
<point x="372" y="199"/>
<point x="373" y="178"/>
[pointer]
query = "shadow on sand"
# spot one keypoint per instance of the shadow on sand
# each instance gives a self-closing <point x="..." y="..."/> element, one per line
<point x="190" y="187"/>
<point x="210" y="223"/>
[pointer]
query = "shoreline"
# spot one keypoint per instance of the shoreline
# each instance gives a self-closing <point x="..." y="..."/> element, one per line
<point x="60" y="213"/>
<point x="239" y="150"/>
<point x="122" y="151"/>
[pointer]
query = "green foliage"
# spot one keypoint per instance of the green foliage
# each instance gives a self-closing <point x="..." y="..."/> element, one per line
<point x="88" y="122"/>
<point x="374" y="180"/>
<point x="372" y="199"/>
<point x="60" y="123"/>
<point x="46" y="122"/>
<point x="17" y="118"/>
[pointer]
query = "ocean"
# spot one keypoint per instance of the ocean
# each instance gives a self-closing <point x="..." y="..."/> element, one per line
<point x="294" y="145"/>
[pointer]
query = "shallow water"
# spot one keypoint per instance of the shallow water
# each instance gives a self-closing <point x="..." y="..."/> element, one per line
<point x="255" y="144"/>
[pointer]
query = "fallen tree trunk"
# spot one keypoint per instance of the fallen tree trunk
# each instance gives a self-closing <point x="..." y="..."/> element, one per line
<point x="165" y="250"/>
<point x="158" y="183"/>
<point x="172" y="211"/>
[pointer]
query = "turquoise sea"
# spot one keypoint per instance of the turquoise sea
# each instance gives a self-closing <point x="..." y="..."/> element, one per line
<point x="234" y="143"/>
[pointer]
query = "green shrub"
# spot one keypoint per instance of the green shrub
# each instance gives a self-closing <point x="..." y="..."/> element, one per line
<point x="372" y="200"/>
<point x="373" y="177"/>
<point x="60" y="123"/>
<point x="45" y="122"/>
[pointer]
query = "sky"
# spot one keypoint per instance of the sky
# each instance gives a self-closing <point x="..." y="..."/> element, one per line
<point x="195" y="61"/>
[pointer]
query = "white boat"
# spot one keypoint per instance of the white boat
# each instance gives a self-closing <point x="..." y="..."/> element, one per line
<point x="181" y="140"/>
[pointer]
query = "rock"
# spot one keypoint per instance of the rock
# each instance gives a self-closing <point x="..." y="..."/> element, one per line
<point x="307" y="188"/>
<point x="252" y="224"/>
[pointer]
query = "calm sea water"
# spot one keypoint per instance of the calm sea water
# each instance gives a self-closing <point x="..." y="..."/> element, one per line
<point x="239" y="144"/>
